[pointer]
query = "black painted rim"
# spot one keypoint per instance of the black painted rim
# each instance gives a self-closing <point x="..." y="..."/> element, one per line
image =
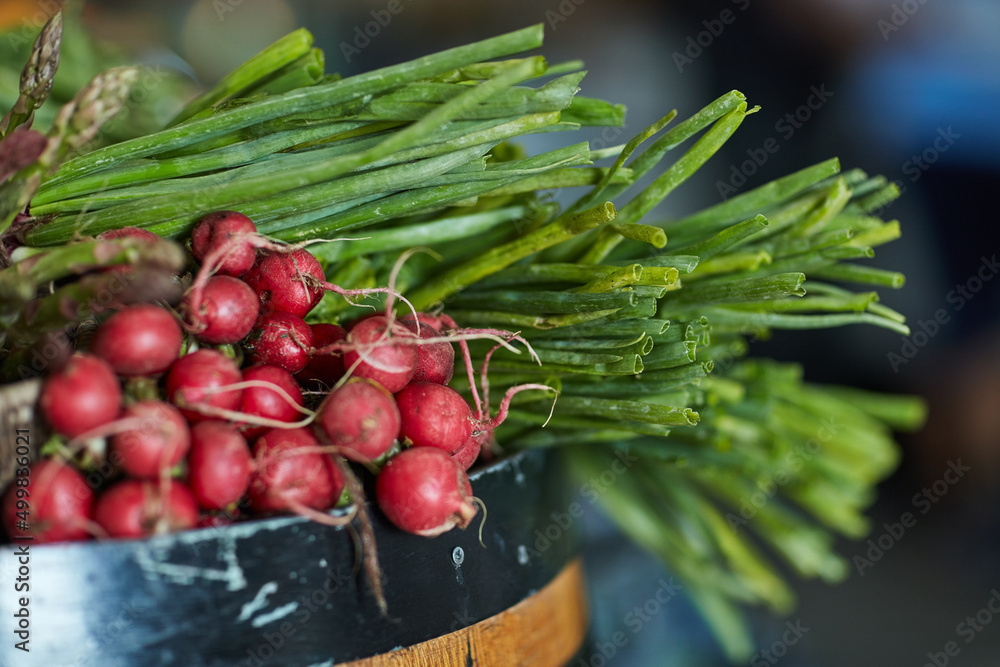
<point x="281" y="590"/>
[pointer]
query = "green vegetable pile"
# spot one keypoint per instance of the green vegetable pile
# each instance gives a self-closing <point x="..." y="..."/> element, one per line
<point x="641" y="324"/>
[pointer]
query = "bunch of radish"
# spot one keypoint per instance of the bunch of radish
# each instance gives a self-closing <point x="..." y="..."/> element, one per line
<point x="232" y="406"/>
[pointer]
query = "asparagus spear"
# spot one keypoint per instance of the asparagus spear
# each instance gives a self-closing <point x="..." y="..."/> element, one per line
<point x="22" y="280"/>
<point x="74" y="127"/>
<point x="37" y="76"/>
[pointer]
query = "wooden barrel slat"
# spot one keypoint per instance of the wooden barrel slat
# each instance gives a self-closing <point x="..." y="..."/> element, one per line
<point x="544" y="630"/>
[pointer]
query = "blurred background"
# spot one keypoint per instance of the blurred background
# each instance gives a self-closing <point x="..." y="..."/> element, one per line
<point x="906" y="88"/>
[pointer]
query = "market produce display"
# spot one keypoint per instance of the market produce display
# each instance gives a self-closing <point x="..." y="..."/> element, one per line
<point x="307" y="292"/>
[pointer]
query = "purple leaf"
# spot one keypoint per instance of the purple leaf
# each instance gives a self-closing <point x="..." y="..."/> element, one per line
<point x="19" y="149"/>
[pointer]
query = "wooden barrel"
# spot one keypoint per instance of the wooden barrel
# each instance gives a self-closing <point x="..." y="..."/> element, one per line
<point x="287" y="591"/>
<point x="547" y="628"/>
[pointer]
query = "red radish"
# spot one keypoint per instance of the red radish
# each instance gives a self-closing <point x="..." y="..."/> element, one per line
<point x="468" y="453"/>
<point x="125" y="233"/>
<point x="227" y="310"/>
<point x="361" y="419"/>
<point x="136" y="508"/>
<point x="423" y="491"/>
<point x="219" y="464"/>
<point x="215" y="232"/>
<point x="157" y="443"/>
<point x="280" y="339"/>
<point x="128" y="233"/>
<point x="323" y="370"/>
<point x="57" y="509"/>
<point x="435" y="361"/>
<point x="193" y="380"/>
<point x="445" y="324"/>
<point x="434" y="415"/>
<point x="439" y="322"/>
<point x="286" y="480"/>
<point x="81" y="396"/>
<point x="268" y="403"/>
<point x="216" y="520"/>
<point x="376" y="354"/>
<point x="287" y="282"/>
<point x="142" y="339"/>
<point x="350" y="324"/>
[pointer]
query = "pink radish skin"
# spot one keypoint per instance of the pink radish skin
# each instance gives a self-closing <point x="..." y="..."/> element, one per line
<point x="360" y="418"/>
<point x="128" y="233"/>
<point x="436" y="321"/>
<point x="158" y="443"/>
<point x="349" y="326"/>
<point x="227" y="312"/>
<point x="434" y="415"/>
<point x="192" y="379"/>
<point x="285" y="480"/>
<point x="135" y="508"/>
<point x="423" y="491"/>
<point x="60" y="502"/>
<point x="435" y="361"/>
<point x="218" y="229"/>
<point x="125" y="233"/>
<point x="280" y="339"/>
<point x="267" y="403"/>
<point x="219" y="465"/>
<point x="139" y="340"/>
<point x="323" y="370"/>
<point x="466" y="455"/>
<point x="81" y="396"/>
<point x="215" y="520"/>
<point x="377" y="357"/>
<point x="287" y="282"/>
